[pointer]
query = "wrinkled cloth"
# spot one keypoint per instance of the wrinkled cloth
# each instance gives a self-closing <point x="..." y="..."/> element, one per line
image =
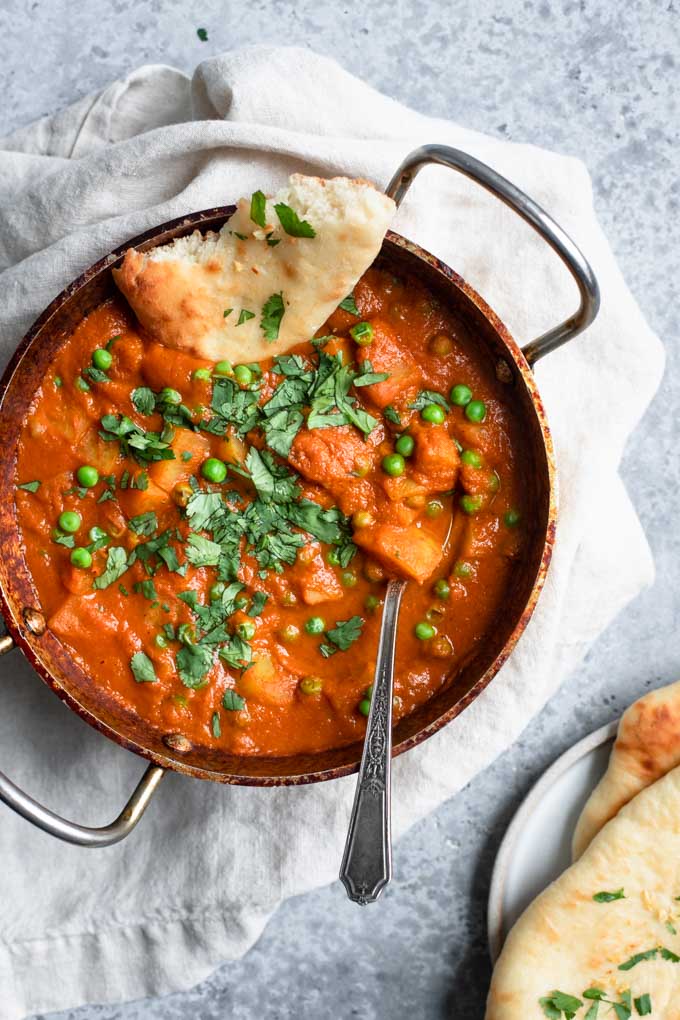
<point x="195" y="883"/>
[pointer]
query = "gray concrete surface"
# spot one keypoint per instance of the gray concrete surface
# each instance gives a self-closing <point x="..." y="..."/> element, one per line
<point x="598" y="80"/>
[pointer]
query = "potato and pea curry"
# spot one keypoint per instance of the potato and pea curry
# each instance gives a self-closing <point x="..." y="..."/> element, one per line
<point x="211" y="541"/>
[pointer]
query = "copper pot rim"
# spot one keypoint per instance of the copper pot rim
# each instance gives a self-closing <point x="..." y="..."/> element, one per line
<point x="22" y="635"/>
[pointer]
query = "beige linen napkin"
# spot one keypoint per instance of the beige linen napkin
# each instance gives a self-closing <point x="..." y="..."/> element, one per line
<point x="197" y="880"/>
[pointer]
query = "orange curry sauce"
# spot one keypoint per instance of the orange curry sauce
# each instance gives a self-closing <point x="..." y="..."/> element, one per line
<point x="274" y="691"/>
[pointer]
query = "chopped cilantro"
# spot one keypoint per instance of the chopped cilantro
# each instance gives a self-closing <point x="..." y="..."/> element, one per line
<point x="68" y="540"/>
<point x="116" y="565"/>
<point x="232" y="701"/>
<point x="348" y="304"/>
<point x="258" y="603"/>
<point x="244" y="316"/>
<point x="142" y="668"/>
<point x="143" y="400"/>
<point x="144" y="524"/>
<point x="429" y="397"/>
<point x="96" y="374"/>
<point x="258" y="208"/>
<point x="134" y="441"/>
<point x="227" y="312"/>
<point x="201" y="551"/>
<point x="193" y="664"/>
<point x="202" y="34"/>
<point x="30" y="486"/>
<point x="272" y="313"/>
<point x="609" y="897"/>
<point x="391" y="415"/>
<point x="643" y="1004"/>
<point x="291" y="222"/>
<point x="344" y="634"/>
<point x="147" y="589"/>
<point x="216" y="728"/>
<point x="559" y="1003"/>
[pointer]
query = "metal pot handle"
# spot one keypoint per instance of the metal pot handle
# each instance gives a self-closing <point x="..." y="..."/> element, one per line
<point x="71" y="832"/>
<point x="525" y="207"/>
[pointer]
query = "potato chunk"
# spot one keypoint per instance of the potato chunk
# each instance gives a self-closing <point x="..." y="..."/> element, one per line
<point x="436" y="459"/>
<point x="387" y="355"/>
<point x="406" y="552"/>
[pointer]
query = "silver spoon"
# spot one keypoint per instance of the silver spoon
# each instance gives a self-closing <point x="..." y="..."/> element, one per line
<point x="367" y="862"/>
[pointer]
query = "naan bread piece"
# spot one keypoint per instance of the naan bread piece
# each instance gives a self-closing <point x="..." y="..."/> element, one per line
<point x="253" y="291"/>
<point x="566" y="942"/>
<point x="647" y="747"/>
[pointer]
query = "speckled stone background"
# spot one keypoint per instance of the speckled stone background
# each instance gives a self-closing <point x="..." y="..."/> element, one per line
<point x="595" y="79"/>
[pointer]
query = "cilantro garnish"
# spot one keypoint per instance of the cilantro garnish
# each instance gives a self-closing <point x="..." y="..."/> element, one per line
<point x="193" y="664"/>
<point x="116" y="565"/>
<point x="558" y="1004"/>
<point x="216" y="728"/>
<point x="367" y="376"/>
<point x="391" y="415"/>
<point x="143" y="400"/>
<point x="609" y="897"/>
<point x="258" y="603"/>
<point x="258" y="208"/>
<point x="291" y="222"/>
<point x="30" y="486"/>
<point x="67" y="540"/>
<point x="232" y="701"/>
<point x="348" y="304"/>
<point x="144" y="524"/>
<point x="244" y="316"/>
<point x="202" y="34"/>
<point x="272" y="313"/>
<point x="142" y="668"/>
<point x="147" y="589"/>
<point x="134" y="441"/>
<point x="344" y="634"/>
<point x="227" y="312"/>
<point x="96" y="374"/>
<point x="429" y="397"/>
<point x="650" y="954"/>
<point x="201" y="551"/>
<point x="643" y="1004"/>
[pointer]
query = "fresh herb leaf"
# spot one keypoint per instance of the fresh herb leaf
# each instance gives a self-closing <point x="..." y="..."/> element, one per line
<point x="241" y="237"/>
<point x="134" y="441"/>
<point x="232" y="701"/>
<point x="201" y="551"/>
<point x="147" y="589"/>
<point x="116" y="565"/>
<point x="345" y="633"/>
<point x="227" y="312"/>
<point x="609" y="897"/>
<point x="666" y="954"/>
<point x="258" y="603"/>
<point x="202" y="34"/>
<point x="643" y="1004"/>
<point x="30" y="486"/>
<point x="291" y="222"/>
<point x="144" y="524"/>
<point x="67" y="540"/>
<point x="391" y="415"/>
<point x="348" y="304"/>
<point x="558" y="1003"/>
<point x="193" y="664"/>
<point x="143" y="400"/>
<point x="96" y="374"/>
<point x="187" y="456"/>
<point x="426" y="397"/>
<point x="258" y="208"/>
<point x="272" y="313"/>
<point x="244" y="316"/>
<point x="143" y="669"/>
<point x="216" y="728"/>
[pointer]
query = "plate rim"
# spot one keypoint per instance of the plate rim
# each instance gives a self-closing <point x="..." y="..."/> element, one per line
<point x="499" y="874"/>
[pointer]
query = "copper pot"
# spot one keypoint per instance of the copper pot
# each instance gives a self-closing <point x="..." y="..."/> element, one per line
<point x="173" y="751"/>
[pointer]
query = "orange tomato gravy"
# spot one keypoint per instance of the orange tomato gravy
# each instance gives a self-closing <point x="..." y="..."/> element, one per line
<point x="290" y="698"/>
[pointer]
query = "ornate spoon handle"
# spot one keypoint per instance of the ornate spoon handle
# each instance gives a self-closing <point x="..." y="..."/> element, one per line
<point x="367" y="862"/>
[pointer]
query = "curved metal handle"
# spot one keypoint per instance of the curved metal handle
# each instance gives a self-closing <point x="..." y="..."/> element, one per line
<point x="367" y="862"/>
<point x="71" y="832"/>
<point x="525" y="207"/>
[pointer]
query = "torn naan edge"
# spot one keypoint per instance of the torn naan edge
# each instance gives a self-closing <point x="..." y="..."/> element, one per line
<point x="271" y="276"/>
<point x="607" y="929"/>
<point x="647" y="747"/>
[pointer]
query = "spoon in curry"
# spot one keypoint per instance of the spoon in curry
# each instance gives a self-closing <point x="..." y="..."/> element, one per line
<point x="367" y="862"/>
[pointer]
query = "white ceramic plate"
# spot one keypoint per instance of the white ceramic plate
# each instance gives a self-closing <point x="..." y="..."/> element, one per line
<point x="537" y="846"/>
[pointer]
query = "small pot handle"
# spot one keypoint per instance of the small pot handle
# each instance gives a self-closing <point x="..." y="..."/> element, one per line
<point x="71" y="832"/>
<point x="525" y="207"/>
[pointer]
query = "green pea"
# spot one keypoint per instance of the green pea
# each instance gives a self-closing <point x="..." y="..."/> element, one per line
<point x="470" y="504"/>
<point x="333" y="558"/>
<point x="371" y="602"/>
<point x="348" y="578"/>
<point x="214" y="470"/>
<point x="70" y="521"/>
<point x="405" y="445"/>
<point x="102" y="359"/>
<point x="216" y="591"/>
<point x="471" y="458"/>
<point x="96" y="534"/>
<point x="170" y="396"/>
<point x="476" y="411"/>
<point x="393" y="465"/>
<point x="434" y="508"/>
<point x="225" y="368"/>
<point x="311" y="685"/>
<point x="289" y="633"/>
<point x="365" y="706"/>
<point x="424" y="630"/>
<point x="460" y="395"/>
<point x="463" y="569"/>
<point x="87" y="476"/>
<point x="315" y="625"/>
<point x="362" y="333"/>
<point x="243" y="375"/>
<point x="441" y="588"/>
<point x="81" y="558"/>
<point x="246" y="631"/>
<point x="512" y="518"/>
<point x="433" y="413"/>
<point x="202" y="375"/>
